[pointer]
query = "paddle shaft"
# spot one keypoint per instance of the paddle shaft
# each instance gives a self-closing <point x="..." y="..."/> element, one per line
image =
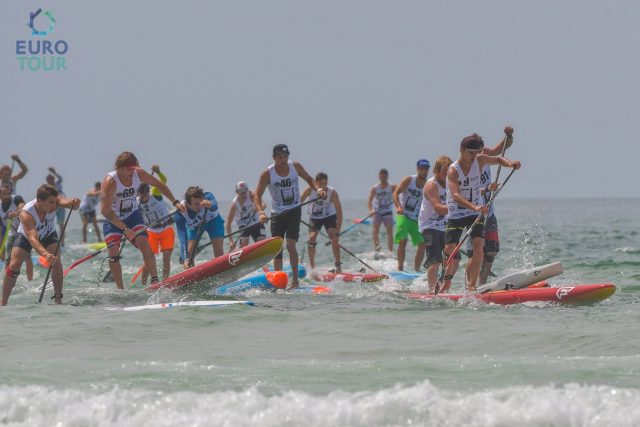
<point x="343" y="248"/>
<point x="198" y="237"/>
<point x="46" y="279"/>
<point x="451" y="256"/>
<point x="353" y="226"/>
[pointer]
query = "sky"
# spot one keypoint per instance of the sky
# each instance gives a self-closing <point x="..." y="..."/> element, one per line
<point x="206" y="88"/>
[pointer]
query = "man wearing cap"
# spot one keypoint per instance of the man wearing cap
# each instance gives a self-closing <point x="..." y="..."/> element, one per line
<point x="282" y="180"/>
<point x="407" y="199"/>
<point x="160" y="234"/>
<point x="245" y="215"/>
<point x="465" y="203"/>
<point x="123" y="217"/>
<point x="380" y="204"/>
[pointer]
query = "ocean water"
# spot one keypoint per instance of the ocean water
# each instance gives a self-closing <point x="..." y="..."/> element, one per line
<point x="362" y="356"/>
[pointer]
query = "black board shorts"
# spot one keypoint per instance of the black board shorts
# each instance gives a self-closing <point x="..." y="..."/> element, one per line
<point x="287" y="224"/>
<point x="22" y="242"/>
<point x="455" y="227"/>
<point x="316" y="224"/>
<point x="255" y="231"/>
<point x="434" y="240"/>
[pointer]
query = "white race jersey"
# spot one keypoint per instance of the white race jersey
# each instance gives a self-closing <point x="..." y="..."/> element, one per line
<point x="152" y="211"/>
<point x="429" y="218"/>
<point x="321" y="209"/>
<point x="485" y="179"/>
<point x="470" y="186"/>
<point x="382" y="202"/>
<point x="13" y="206"/>
<point x="89" y="203"/>
<point x="285" y="193"/>
<point x="124" y="201"/>
<point x="246" y="213"/>
<point x="411" y="199"/>
<point x="44" y="228"/>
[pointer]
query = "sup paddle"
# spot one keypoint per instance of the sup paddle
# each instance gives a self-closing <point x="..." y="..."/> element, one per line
<point x="344" y="249"/>
<point x="55" y="253"/>
<point x="10" y="220"/>
<point x="352" y="226"/>
<point x="451" y="256"/>
<point x="109" y="245"/>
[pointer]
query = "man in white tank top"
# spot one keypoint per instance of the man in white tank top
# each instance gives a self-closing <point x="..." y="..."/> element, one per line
<point x="10" y="207"/>
<point x="432" y="218"/>
<point x="88" y="211"/>
<point x="325" y="213"/>
<point x="281" y="178"/>
<point x="380" y="204"/>
<point x="243" y="212"/>
<point x="122" y="216"/>
<point x="407" y="199"/>
<point x="37" y="230"/>
<point x="465" y="203"/>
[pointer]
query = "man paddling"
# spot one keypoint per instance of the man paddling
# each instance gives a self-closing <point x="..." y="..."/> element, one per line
<point x="10" y="206"/>
<point x="380" y="205"/>
<point x="88" y="211"/>
<point x="282" y="180"/>
<point x="407" y="199"/>
<point x="201" y="215"/>
<point x="123" y="217"/>
<point x="465" y="203"/>
<point x="37" y="230"/>
<point x="432" y="218"/>
<point x="6" y="171"/>
<point x="325" y="213"/>
<point x="244" y="213"/>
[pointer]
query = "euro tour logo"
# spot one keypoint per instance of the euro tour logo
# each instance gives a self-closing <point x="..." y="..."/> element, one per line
<point x="42" y="54"/>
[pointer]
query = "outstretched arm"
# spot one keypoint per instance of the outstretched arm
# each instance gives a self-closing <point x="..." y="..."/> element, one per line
<point x="151" y="180"/>
<point x="257" y="199"/>
<point x="23" y="169"/>
<point x="404" y="184"/>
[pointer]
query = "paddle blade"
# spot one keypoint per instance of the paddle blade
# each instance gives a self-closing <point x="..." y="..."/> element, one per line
<point x="43" y="262"/>
<point x="321" y="290"/>
<point x="278" y="279"/>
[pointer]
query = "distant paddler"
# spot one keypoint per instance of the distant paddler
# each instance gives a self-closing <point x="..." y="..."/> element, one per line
<point x="6" y="173"/>
<point x="407" y="198"/>
<point x="122" y="214"/>
<point x="201" y="214"/>
<point x="88" y="206"/>
<point x="325" y="213"/>
<point x="432" y="218"/>
<point x="161" y="236"/>
<point x="465" y="203"/>
<point x="380" y="205"/>
<point x="37" y="230"/>
<point x="10" y="206"/>
<point x="281" y="178"/>
<point x="245" y="215"/>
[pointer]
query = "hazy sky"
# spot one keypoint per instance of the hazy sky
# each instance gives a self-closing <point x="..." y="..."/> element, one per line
<point x="206" y="88"/>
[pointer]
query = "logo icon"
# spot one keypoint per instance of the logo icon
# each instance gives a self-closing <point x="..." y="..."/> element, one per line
<point x="564" y="291"/>
<point x="234" y="257"/>
<point x="34" y="30"/>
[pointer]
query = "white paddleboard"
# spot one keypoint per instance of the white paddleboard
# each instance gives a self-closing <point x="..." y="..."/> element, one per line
<point x="524" y="278"/>
<point x="180" y="304"/>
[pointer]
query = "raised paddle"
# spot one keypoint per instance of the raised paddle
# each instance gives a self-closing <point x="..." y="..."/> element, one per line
<point x="55" y="253"/>
<point x="109" y="245"/>
<point x="343" y="248"/>
<point x="451" y="256"/>
<point x="240" y="230"/>
<point x="352" y="226"/>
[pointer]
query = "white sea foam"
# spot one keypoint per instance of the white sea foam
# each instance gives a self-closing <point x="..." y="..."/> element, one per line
<point x="421" y="404"/>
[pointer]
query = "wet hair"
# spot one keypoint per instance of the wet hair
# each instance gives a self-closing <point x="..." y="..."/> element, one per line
<point x="195" y="192"/>
<point x="98" y="184"/>
<point x="45" y="191"/>
<point x="383" y="171"/>
<point x="127" y="158"/>
<point x="321" y="175"/>
<point x="50" y="177"/>
<point x="442" y="162"/>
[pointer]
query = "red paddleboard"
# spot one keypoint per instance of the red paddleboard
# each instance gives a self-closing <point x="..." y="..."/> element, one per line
<point x="575" y="294"/>
<point x="226" y="268"/>
<point x="348" y="277"/>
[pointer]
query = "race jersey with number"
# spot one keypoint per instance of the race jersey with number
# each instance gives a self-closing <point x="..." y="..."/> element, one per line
<point x="429" y="218"/>
<point x="194" y="219"/>
<point x="125" y="201"/>
<point x="246" y="213"/>
<point x="284" y="190"/>
<point x="383" y="201"/>
<point x="45" y="227"/>
<point x="321" y="209"/>
<point x="470" y="186"/>
<point x="411" y="199"/>
<point x="485" y="179"/>
<point x="153" y="210"/>
<point x="89" y="203"/>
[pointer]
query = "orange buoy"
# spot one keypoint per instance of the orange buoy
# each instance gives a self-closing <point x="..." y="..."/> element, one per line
<point x="278" y="279"/>
<point x="43" y="262"/>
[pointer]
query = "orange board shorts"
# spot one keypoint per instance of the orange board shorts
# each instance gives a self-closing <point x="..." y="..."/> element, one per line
<point x="162" y="241"/>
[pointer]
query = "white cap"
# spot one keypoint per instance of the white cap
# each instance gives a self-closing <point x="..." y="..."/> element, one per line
<point x="241" y="187"/>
